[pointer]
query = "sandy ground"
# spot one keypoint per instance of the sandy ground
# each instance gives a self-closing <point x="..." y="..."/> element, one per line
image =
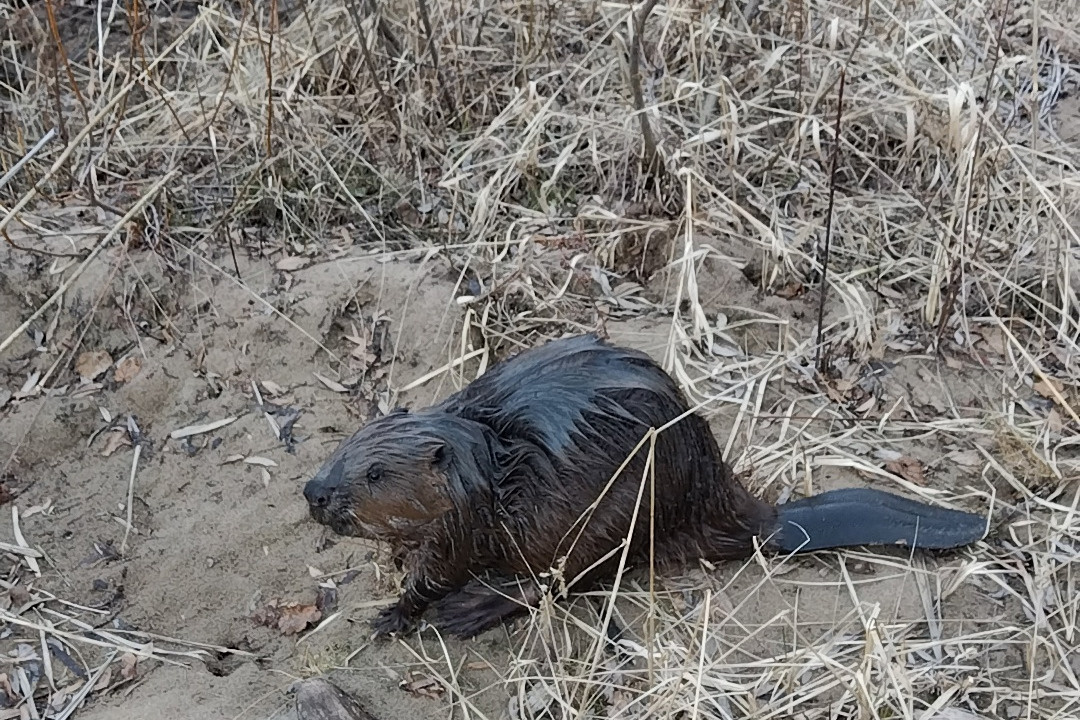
<point x="215" y="539"/>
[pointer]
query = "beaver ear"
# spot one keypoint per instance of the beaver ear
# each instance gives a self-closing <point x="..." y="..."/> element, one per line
<point x="440" y="456"/>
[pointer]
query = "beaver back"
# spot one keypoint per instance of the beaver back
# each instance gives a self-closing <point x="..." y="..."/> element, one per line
<point x="565" y="418"/>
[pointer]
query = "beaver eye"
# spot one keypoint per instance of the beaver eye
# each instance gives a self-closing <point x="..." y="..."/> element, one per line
<point x="374" y="473"/>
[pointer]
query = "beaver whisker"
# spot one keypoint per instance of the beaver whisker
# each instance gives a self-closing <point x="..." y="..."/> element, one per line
<point x="495" y="480"/>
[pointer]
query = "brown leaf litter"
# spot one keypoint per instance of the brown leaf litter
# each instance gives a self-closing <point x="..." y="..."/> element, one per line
<point x="908" y="468"/>
<point x="422" y="685"/>
<point x="91" y="364"/>
<point x="290" y="618"/>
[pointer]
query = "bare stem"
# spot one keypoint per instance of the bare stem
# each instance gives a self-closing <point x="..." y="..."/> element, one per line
<point x="651" y="155"/>
<point x="448" y="99"/>
<point x="956" y="271"/>
<point x="369" y="63"/>
<point x="818" y="360"/>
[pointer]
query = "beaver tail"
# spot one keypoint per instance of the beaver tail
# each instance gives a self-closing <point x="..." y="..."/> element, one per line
<point x="863" y="516"/>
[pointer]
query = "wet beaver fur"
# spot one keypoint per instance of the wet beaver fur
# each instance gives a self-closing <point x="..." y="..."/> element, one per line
<point x="501" y="482"/>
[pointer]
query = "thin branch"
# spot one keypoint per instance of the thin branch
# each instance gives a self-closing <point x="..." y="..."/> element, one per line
<point x="651" y="156"/>
<point x="55" y="29"/>
<point x="818" y="359"/>
<point x="448" y="99"/>
<point x="369" y="63"/>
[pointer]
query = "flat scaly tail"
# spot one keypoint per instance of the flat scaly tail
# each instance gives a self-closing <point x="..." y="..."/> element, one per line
<point x="864" y="516"/>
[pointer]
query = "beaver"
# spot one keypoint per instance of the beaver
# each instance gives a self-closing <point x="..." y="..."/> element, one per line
<point x="543" y="463"/>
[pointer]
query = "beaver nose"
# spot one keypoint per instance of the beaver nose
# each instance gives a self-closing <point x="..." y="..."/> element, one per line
<point x="321" y="488"/>
<point x="317" y="492"/>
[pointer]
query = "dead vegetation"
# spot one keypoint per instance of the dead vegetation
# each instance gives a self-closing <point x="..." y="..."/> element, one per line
<point x="565" y="166"/>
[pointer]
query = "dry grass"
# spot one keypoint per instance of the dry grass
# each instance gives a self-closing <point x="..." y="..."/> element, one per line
<point x="503" y="136"/>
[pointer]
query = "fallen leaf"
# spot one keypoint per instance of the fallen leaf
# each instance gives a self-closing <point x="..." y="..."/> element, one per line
<point x="363" y="354"/>
<point x="57" y="702"/>
<point x="272" y="387"/>
<point x="1046" y="389"/>
<point x="866" y="406"/>
<point x="408" y="214"/>
<point x="908" y="468"/>
<point x="35" y="509"/>
<point x="422" y="686"/>
<point x="128" y="665"/>
<point x="29" y="385"/>
<point x="791" y="290"/>
<point x="953" y="363"/>
<point x="85" y="390"/>
<point x="127" y="369"/>
<point x="293" y="262"/>
<point x="199" y="429"/>
<point x="995" y="338"/>
<point x="91" y="364"/>
<point x="336" y="387"/>
<point x="296" y="617"/>
<point x="725" y="350"/>
<point x="115" y="440"/>
<point x="257" y="460"/>
<point x="1055" y="421"/>
<point x="104" y="680"/>
<point x="290" y="618"/>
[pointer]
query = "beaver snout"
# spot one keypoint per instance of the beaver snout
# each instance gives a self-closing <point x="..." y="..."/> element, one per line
<point x="318" y="492"/>
<point x="321" y="489"/>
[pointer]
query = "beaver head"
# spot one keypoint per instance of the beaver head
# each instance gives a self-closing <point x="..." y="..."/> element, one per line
<point x="398" y="474"/>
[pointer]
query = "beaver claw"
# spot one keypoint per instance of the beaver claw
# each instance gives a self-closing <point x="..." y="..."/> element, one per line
<point x="392" y="621"/>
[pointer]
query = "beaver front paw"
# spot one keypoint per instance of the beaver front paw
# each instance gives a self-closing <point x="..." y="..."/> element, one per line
<point x="392" y="621"/>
